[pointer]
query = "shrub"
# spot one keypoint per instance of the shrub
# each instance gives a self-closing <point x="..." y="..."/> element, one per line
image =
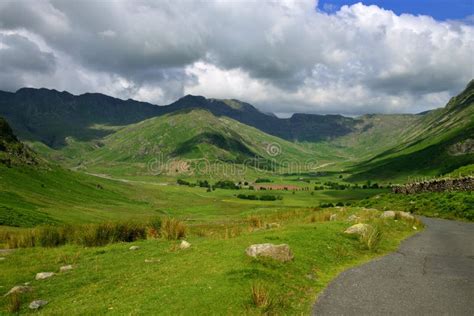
<point x="260" y="295"/>
<point x="226" y="184"/>
<point x="154" y="227"/>
<point x="372" y="237"/>
<point x="268" y="197"/>
<point x="173" y="229"/>
<point x="14" y="303"/>
<point x="51" y="236"/>
<point x="182" y="182"/>
<point x="263" y="180"/>
<point x="247" y="196"/>
<point x="255" y="221"/>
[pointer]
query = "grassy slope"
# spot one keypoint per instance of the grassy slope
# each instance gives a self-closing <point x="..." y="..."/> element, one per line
<point x="212" y="277"/>
<point x="195" y="134"/>
<point x="30" y="196"/>
<point x="426" y="149"/>
<point x="449" y="205"/>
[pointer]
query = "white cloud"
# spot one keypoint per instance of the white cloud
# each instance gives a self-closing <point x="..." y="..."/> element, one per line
<point x="283" y="56"/>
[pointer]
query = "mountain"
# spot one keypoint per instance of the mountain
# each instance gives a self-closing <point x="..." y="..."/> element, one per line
<point x="436" y="143"/>
<point x="184" y="137"/>
<point x="50" y="116"/>
<point x="12" y="151"/>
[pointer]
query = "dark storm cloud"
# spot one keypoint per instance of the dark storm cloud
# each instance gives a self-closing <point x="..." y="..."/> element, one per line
<point x="282" y="55"/>
<point x="21" y="58"/>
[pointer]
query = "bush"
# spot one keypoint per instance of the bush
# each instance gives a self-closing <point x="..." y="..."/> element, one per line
<point x="88" y="235"/>
<point x="173" y="229"/>
<point x="51" y="236"/>
<point x="154" y="227"/>
<point x="268" y="197"/>
<point x="372" y="237"/>
<point x="265" y="197"/>
<point x="263" y="180"/>
<point x="14" y="303"/>
<point x="255" y="221"/>
<point x="247" y="197"/>
<point x="226" y="184"/>
<point x="182" y="182"/>
<point x="260" y="295"/>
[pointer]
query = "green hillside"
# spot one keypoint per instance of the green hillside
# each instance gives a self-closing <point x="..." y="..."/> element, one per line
<point x="438" y="143"/>
<point x="181" y="139"/>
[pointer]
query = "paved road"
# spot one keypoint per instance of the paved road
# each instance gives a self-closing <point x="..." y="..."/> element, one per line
<point x="431" y="274"/>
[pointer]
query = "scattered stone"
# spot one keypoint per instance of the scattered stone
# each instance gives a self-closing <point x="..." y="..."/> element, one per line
<point x="152" y="260"/>
<point x="19" y="289"/>
<point x="44" y="275"/>
<point x="27" y="283"/>
<point x="333" y="217"/>
<point x="184" y="245"/>
<point x="273" y="225"/>
<point x="2" y="258"/>
<point x="37" y="304"/>
<point x="311" y="276"/>
<point x="134" y="248"/>
<point x="66" y="268"/>
<point x="353" y="218"/>
<point x="388" y="214"/>
<point x="414" y="227"/>
<point x="407" y="216"/>
<point x="278" y="252"/>
<point x="357" y="229"/>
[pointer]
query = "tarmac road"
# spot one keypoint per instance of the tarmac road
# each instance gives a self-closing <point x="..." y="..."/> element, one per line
<point x="431" y="274"/>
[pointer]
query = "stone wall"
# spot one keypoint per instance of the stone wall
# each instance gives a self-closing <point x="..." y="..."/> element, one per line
<point x="439" y="185"/>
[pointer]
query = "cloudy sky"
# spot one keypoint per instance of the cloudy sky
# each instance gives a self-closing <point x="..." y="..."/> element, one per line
<point x="283" y="56"/>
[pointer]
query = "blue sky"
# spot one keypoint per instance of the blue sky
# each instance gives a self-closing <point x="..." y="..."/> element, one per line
<point x="438" y="9"/>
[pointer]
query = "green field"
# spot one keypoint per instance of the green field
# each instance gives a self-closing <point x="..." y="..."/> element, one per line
<point x="116" y="280"/>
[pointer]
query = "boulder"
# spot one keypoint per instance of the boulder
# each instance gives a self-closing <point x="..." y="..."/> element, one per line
<point x="333" y="217"/>
<point x="37" y="304"/>
<point x="184" y="245"/>
<point x="19" y="289"/>
<point x="134" y="248"/>
<point x="272" y="225"/>
<point x="277" y="252"/>
<point x="406" y="216"/>
<point x="357" y="229"/>
<point x="66" y="268"/>
<point x="152" y="260"/>
<point x="353" y="218"/>
<point x="388" y="214"/>
<point x="44" y="275"/>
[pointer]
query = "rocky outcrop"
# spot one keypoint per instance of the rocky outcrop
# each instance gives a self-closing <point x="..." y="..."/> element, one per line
<point x="439" y="185"/>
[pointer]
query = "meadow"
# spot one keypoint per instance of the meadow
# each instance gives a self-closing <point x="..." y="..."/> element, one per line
<point x="160" y="276"/>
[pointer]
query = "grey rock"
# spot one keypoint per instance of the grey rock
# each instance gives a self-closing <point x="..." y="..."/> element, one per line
<point x="357" y="229"/>
<point x="37" y="304"/>
<point x="277" y="252"/>
<point x="44" y="275"/>
<point x="19" y="289"/>
<point x="134" y="248"/>
<point x="66" y="268"/>
<point x="184" y="245"/>
<point x="388" y="214"/>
